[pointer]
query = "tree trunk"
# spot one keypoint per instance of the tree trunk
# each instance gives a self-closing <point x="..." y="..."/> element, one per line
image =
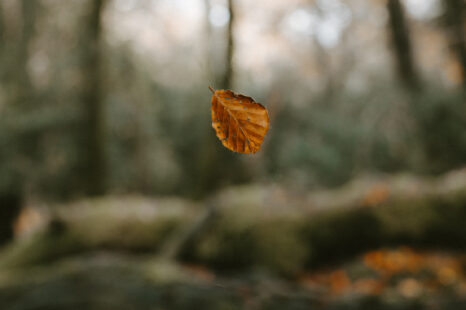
<point x="94" y="137"/>
<point x="454" y="15"/>
<point x="213" y="172"/>
<point x="22" y="97"/>
<point x="23" y="89"/>
<point x="402" y="47"/>
<point x="2" y="27"/>
<point x="227" y="78"/>
<point x="17" y="84"/>
<point x="10" y="205"/>
<point x="207" y="40"/>
<point x="2" y="48"/>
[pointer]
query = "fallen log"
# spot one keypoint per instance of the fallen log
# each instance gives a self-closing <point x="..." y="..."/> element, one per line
<point x="260" y="226"/>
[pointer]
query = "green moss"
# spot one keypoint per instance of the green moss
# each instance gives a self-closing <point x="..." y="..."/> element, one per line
<point x="128" y="234"/>
<point x="100" y="224"/>
<point x="41" y="248"/>
<point x="253" y="235"/>
<point x="279" y="246"/>
<point x="405" y="221"/>
<point x="246" y="237"/>
<point x="339" y="234"/>
<point x="226" y="247"/>
<point x="432" y="222"/>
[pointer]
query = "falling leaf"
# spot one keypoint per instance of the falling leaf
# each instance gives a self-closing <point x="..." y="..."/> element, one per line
<point x="239" y="121"/>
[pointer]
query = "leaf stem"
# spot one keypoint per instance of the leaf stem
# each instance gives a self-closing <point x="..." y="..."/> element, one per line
<point x="212" y="90"/>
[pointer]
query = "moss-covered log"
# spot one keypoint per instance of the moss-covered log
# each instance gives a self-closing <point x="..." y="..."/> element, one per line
<point x="265" y="227"/>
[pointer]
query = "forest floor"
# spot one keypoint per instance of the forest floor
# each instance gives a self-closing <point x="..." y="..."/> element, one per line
<point x="398" y="278"/>
<point x="393" y="243"/>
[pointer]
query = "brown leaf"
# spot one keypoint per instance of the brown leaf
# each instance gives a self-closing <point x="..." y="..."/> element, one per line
<point x="239" y="121"/>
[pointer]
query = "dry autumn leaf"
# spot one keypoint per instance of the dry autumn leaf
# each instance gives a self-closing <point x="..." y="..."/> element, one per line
<point x="239" y="121"/>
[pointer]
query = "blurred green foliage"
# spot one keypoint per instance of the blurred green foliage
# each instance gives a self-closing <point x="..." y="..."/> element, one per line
<point x="158" y="136"/>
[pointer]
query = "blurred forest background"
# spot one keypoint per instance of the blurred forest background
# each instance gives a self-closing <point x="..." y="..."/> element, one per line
<point x="110" y="97"/>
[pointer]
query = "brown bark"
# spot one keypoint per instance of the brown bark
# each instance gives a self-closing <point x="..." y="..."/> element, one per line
<point x="402" y="46"/>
